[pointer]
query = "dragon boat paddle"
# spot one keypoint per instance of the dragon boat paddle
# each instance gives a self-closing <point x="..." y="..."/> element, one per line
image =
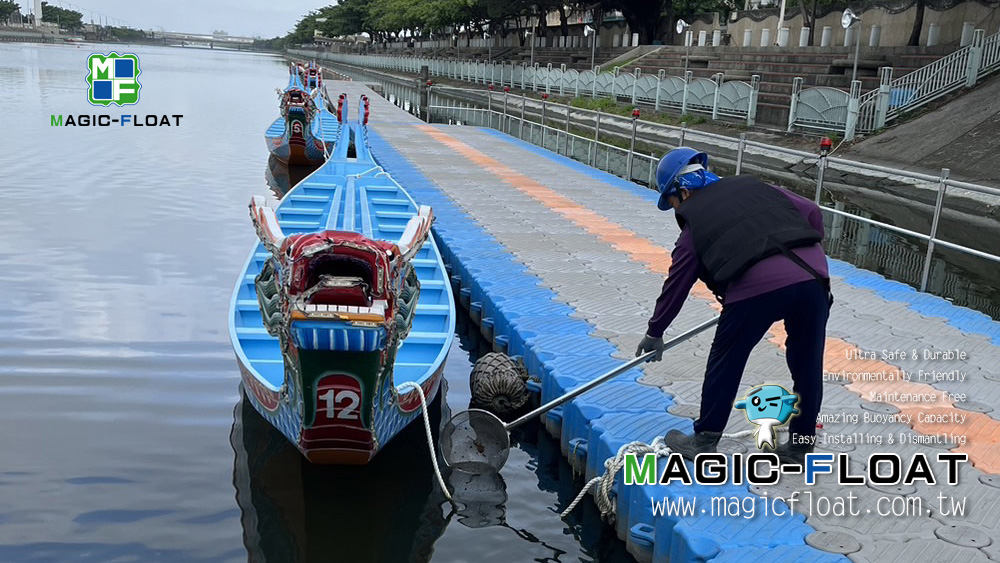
<point x="477" y="441"/>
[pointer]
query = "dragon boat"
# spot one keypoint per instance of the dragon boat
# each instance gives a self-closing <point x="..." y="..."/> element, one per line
<point x="311" y="75"/>
<point x="306" y="131"/>
<point x="342" y="304"/>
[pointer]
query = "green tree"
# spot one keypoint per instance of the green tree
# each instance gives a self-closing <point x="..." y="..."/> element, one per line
<point x="69" y="19"/>
<point x="7" y="9"/>
<point x="644" y="17"/>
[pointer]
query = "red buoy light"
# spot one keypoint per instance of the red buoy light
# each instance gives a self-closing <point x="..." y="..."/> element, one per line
<point x="825" y="145"/>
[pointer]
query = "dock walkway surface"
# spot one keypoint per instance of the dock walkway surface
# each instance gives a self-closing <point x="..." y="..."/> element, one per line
<point x="561" y="263"/>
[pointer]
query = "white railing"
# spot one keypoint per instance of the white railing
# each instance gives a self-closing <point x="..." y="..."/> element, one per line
<point x="713" y="97"/>
<point x="991" y="54"/>
<point x="823" y="108"/>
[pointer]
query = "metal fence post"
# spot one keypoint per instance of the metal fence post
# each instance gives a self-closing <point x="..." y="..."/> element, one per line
<point x="659" y="82"/>
<point x="796" y="88"/>
<point x="505" y="119"/>
<point x="820" y="171"/>
<point x="631" y="147"/>
<point x="635" y="81"/>
<point x="567" y="106"/>
<point x="752" y="106"/>
<point x="545" y="98"/>
<point x="975" y="57"/>
<point x="717" y="79"/>
<point x="739" y="153"/>
<point x="852" y="111"/>
<point x="489" y="107"/>
<point x="688" y="76"/>
<point x="942" y="186"/>
<point x="597" y="137"/>
<point x="884" y="90"/>
<point x="520" y="128"/>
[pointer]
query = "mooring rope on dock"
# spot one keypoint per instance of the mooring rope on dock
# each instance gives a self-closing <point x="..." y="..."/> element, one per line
<point x="612" y="465"/>
<point x="430" y="437"/>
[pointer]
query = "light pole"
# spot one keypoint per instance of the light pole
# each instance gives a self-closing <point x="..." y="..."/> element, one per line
<point x="846" y="21"/>
<point x="681" y="26"/>
<point x="531" y="34"/>
<point x="587" y="31"/>
<point x="489" y="45"/>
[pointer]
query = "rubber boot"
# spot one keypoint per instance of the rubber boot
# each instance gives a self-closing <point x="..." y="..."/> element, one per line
<point x="690" y="446"/>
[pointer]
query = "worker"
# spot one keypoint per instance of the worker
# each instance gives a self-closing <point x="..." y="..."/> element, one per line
<point x="758" y="249"/>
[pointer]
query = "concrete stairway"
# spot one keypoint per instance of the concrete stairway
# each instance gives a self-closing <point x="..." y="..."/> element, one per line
<point x="818" y="66"/>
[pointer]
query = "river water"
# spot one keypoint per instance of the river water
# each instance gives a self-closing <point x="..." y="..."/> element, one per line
<point x="125" y="437"/>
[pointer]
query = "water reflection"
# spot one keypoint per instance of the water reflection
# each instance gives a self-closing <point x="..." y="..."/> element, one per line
<point x="282" y="177"/>
<point x="294" y="511"/>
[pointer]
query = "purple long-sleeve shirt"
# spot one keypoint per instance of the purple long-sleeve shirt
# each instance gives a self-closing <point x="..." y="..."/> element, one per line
<point x="771" y="273"/>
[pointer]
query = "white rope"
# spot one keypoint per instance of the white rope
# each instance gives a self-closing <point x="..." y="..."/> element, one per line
<point x="606" y="481"/>
<point x="612" y="465"/>
<point x="430" y="436"/>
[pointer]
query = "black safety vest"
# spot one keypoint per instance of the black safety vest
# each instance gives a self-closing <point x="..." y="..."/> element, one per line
<point x="737" y="222"/>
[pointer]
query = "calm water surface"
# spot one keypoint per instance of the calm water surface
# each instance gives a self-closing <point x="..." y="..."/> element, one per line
<point x="124" y="434"/>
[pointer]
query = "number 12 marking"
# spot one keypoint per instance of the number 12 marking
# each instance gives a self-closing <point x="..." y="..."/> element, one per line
<point x="342" y="404"/>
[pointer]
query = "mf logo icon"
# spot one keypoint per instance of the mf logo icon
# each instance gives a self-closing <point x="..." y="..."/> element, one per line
<point x="113" y="79"/>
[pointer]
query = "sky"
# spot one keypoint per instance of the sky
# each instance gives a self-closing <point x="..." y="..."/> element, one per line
<point x="267" y="18"/>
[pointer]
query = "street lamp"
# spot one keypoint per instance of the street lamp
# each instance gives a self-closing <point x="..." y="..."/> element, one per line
<point x="681" y="26"/>
<point x="489" y="43"/>
<point x="588" y="31"/>
<point x="531" y="34"/>
<point x="846" y="21"/>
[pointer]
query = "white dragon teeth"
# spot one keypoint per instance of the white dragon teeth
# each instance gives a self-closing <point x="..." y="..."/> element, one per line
<point x="377" y="308"/>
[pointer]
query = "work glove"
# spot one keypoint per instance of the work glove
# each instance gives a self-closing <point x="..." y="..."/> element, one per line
<point x="650" y="344"/>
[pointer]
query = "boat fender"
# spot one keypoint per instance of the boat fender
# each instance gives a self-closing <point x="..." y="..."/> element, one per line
<point x="498" y="384"/>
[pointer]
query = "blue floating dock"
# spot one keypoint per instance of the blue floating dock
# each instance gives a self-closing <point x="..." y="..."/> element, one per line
<point x="534" y="312"/>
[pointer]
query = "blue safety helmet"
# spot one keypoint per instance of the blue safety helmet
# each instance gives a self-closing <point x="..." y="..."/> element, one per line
<point x="671" y="177"/>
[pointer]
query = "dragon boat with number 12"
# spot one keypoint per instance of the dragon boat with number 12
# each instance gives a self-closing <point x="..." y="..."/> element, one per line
<point x="342" y="303"/>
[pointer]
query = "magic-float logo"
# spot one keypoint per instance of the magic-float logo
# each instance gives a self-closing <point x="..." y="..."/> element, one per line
<point x="113" y="79"/>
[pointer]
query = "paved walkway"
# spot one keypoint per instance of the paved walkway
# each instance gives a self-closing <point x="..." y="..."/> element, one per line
<point x="601" y="246"/>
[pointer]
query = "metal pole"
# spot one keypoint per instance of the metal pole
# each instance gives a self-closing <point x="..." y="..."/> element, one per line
<point x="543" y="121"/>
<point x="593" y="49"/>
<point x="567" y="127"/>
<point x="520" y="128"/>
<point x="505" y="109"/>
<point x="857" y="49"/>
<point x="684" y="125"/>
<point x="688" y="39"/>
<point x="934" y="227"/>
<point x="619" y="370"/>
<point x="489" y="109"/>
<point x="597" y="137"/>
<point x="821" y="169"/>
<point x="739" y="153"/>
<point x="631" y="149"/>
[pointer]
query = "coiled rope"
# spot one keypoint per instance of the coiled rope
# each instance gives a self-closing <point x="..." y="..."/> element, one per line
<point x="430" y="436"/>
<point x="612" y="465"/>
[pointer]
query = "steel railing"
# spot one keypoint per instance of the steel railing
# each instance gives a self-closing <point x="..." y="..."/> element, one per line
<point x="510" y="118"/>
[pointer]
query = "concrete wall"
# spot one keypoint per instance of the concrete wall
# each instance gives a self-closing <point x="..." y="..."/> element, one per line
<point x="895" y="27"/>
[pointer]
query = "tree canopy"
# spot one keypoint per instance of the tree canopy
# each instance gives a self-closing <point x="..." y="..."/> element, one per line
<point x="69" y="19"/>
<point x="394" y="19"/>
<point x="7" y="9"/>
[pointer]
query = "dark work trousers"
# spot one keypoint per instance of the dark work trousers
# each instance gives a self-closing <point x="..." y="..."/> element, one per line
<point x="805" y="309"/>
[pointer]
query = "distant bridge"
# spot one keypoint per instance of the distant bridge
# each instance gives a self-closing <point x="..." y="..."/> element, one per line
<point x="212" y="41"/>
